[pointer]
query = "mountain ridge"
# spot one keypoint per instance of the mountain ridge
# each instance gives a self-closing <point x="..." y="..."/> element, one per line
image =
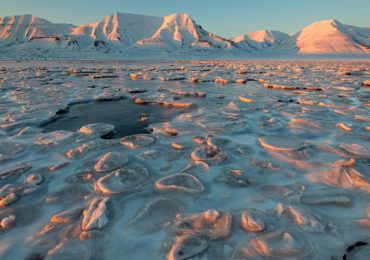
<point x="125" y="33"/>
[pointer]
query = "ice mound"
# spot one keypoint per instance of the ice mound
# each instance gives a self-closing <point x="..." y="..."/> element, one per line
<point x="95" y="216"/>
<point x="304" y="219"/>
<point x="137" y="141"/>
<point x="111" y="161"/>
<point x="180" y="182"/>
<point x="186" y="247"/>
<point x="125" y="180"/>
<point x="15" y="170"/>
<point x="287" y="244"/>
<point x="281" y="144"/>
<point x="360" y="150"/>
<point x="233" y="178"/>
<point x="255" y="221"/>
<point x="342" y="177"/>
<point x="67" y="216"/>
<point x="10" y="149"/>
<point x="98" y="128"/>
<point x="156" y="214"/>
<point x="209" y="154"/>
<point x="326" y="196"/>
<point x="211" y="224"/>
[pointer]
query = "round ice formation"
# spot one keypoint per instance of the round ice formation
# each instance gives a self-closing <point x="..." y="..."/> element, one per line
<point x="232" y="109"/>
<point x="67" y="216"/>
<point x="15" y="170"/>
<point x="246" y="100"/>
<point x="209" y="154"/>
<point x="95" y="216"/>
<point x="277" y="244"/>
<point x="8" y="199"/>
<point x="55" y="138"/>
<point x="81" y="149"/>
<point x="180" y="182"/>
<point x="149" y="155"/>
<point x="10" y="149"/>
<point x="325" y="197"/>
<point x="240" y="81"/>
<point x="134" y="76"/>
<point x="179" y="146"/>
<point x="137" y="141"/>
<point x="28" y="132"/>
<point x="110" y="162"/>
<point x="33" y="179"/>
<point x="186" y="247"/>
<point x="155" y="214"/>
<point x="253" y="220"/>
<point x="6" y="222"/>
<point x="344" y="127"/>
<point x="233" y="177"/>
<point x="244" y="149"/>
<point x="281" y="144"/>
<point x="276" y="192"/>
<point x="356" y="149"/>
<point x="366" y="83"/>
<point x="97" y="128"/>
<point x="341" y="177"/>
<point x="210" y="224"/>
<point x="199" y="140"/>
<point x="124" y="180"/>
<point x="304" y="219"/>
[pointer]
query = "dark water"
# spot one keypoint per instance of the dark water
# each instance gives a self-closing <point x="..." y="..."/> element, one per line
<point x="127" y="117"/>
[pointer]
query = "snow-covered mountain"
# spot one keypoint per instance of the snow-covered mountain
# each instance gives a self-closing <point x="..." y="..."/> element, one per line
<point x="181" y="32"/>
<point x="329" y="36"/>
<point x="23" y="28"/>
<point x="260" y="39"/>
<point x="119" y="28"/>
<point x="128" y="35"/>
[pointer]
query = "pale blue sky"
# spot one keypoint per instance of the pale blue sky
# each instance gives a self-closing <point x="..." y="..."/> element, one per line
<point x="227" y="18"/>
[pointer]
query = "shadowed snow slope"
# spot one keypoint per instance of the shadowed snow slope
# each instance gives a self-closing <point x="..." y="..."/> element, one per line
<point x="179" y="31"/>
<point x="120" y="28"/>
<point x="260" y="39"/>
<point x="329" y="36"/>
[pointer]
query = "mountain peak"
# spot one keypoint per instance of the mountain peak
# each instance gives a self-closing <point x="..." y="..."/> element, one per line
<point x="22" y="28"/>
<point x="260" y="39"/>
<point x="180" y="32"/>
<point x="329" y="36"/>
<point x="180" y="19"/>
<point x="121" y="28"/>
<point x="326" y="24"/>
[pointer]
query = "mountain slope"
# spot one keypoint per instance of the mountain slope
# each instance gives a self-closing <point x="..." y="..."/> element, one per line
<point x="329" y="36"/>
<point x="260" y="39"/>
<point x="181" y="32"/>
<point x="120" y="28"/>
<point x="27" y="27"/>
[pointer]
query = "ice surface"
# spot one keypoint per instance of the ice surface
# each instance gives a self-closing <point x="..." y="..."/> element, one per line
<point x="214" y="176"/>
